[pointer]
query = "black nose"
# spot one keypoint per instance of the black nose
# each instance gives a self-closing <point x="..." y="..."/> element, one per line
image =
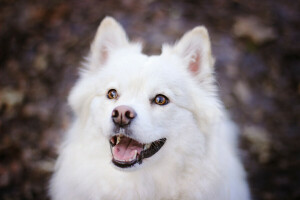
<point x="123" y="115"/>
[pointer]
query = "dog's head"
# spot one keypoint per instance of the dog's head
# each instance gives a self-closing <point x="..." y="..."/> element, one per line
<point x="146" y="107"/>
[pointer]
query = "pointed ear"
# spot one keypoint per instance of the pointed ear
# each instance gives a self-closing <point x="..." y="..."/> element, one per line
<point x="194" y="47"/>
<point x="110" y="35"/>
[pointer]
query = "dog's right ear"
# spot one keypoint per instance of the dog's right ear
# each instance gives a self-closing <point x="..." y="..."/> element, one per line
<point x="110" y="35"/>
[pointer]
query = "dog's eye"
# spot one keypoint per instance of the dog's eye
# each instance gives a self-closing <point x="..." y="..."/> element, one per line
<point x="112" y="94"/>
<point x="161" y="100"/>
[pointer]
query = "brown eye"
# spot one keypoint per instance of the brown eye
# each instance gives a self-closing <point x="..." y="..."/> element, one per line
<point x="112" y="94"/>
<point x="161" y="100"/>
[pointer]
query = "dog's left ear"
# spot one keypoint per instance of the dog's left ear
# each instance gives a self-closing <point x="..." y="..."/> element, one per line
<point x="195" y="48"/>
<point x="110" y="35"/>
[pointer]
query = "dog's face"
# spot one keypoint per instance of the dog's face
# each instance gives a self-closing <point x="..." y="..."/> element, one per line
<point x="140" y="106"/>
<point x="144" y="106"/>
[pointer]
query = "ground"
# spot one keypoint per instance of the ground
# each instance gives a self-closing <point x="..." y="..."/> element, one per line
<point x="256" y="45"/>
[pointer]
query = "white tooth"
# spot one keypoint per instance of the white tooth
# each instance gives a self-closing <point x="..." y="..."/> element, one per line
<point x="118" y="139"/>
<point x="135" y="153"/>
<point x="147" y="146"/>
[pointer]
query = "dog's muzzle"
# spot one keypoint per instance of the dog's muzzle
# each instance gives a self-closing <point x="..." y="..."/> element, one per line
<point x="127" y="151"/>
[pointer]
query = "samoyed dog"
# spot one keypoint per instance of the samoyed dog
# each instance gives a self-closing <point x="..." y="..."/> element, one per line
<point x="148" y="127"/>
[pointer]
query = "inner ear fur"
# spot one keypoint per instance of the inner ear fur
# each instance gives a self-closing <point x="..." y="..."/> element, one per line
<point x="110" y="36"/>
<point x="195" y="48"/>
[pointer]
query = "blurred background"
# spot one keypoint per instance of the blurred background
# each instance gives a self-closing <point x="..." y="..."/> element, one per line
<point x="256" y="44"/>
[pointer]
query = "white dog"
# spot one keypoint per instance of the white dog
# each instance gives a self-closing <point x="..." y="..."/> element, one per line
<point x="148" y="127"/>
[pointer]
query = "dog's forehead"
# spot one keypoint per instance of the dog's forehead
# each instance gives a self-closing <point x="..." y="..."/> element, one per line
<point x="136" y="65"/>
<point x="141" y="73"/>
<point x="163" y="68"/>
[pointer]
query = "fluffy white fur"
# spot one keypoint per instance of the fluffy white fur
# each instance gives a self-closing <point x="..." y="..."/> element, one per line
<point x="199" y="159"/>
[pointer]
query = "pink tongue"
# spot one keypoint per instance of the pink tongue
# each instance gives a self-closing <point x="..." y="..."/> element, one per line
<point x="125" y="150"/>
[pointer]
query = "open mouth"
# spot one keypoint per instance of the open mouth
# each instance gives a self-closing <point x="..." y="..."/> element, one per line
<point x="127" y="152"/>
